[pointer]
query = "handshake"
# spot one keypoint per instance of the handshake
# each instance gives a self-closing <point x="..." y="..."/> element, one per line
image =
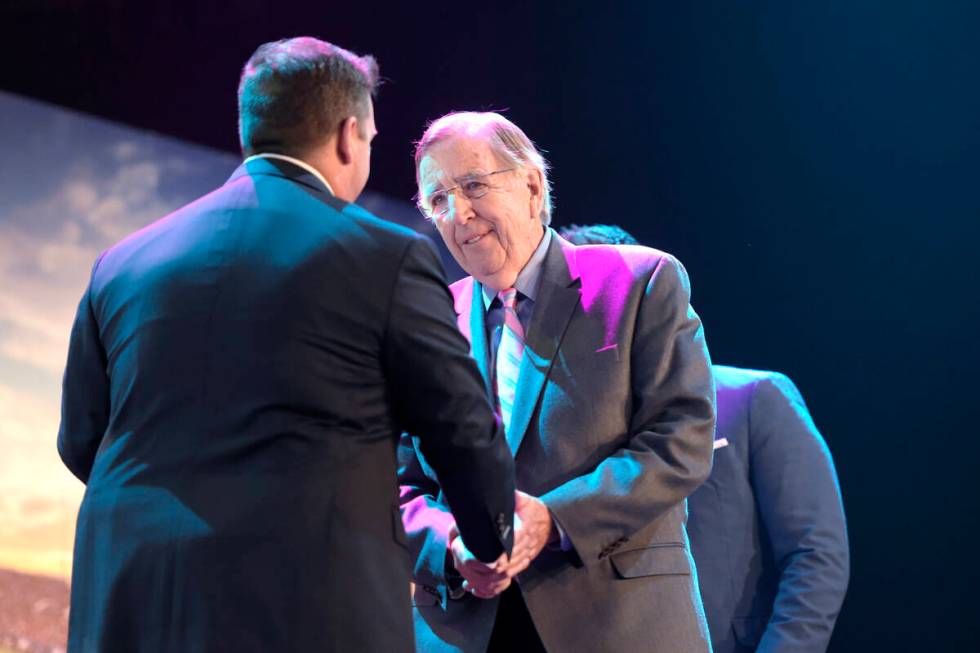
<point x="533" y="529"/>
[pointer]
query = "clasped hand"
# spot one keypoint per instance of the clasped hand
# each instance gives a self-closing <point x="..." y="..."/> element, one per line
<point x="533" y="529"/>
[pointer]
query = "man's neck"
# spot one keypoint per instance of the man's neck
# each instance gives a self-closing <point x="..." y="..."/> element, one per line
<point x="331" y="169"/>
<point x="526" y="280"/>
<point x="301" y="162"/>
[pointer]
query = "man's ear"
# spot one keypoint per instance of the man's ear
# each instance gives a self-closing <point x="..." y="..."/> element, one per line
<point x="535" y="187"/>
<point x="345" y="139"/>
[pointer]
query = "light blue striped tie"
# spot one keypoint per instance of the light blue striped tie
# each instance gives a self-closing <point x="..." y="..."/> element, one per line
<point x="509" y="354"/>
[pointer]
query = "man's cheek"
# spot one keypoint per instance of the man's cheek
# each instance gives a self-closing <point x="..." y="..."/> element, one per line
<point x="446" y="235"/>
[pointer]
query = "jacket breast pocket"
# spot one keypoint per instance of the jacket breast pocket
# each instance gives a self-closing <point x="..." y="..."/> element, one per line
<point x="659" y="560"/>
<point x="589" y="357"/>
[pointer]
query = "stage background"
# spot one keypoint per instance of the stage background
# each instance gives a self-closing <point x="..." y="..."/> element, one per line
<point x="815" y="165"/>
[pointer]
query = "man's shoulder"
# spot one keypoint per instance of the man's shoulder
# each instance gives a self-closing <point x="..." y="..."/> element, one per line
<point x="356" y="223"/>
<point x="138" y="240"/>
<point x="766" y="394"/>
<point x="617" y="271"/>
<point x="378" y="226"/>
<point x="735" y="378"/>
<point x="607" y="260"/>
<point x="308" y="214"/>
<point x="750" y="383"/>
<point x="734" y="387"/>
<point x="298" y="195"/>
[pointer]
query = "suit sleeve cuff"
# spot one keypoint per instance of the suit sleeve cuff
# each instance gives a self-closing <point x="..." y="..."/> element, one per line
<point x="564" y="543"/>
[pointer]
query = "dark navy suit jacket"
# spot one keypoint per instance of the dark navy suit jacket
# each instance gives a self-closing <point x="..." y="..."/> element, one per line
<point x="767" y="528"/>
<point x="238" y="376"/>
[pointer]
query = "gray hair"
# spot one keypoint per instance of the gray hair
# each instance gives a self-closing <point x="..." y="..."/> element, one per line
<point x="508" y="142"/>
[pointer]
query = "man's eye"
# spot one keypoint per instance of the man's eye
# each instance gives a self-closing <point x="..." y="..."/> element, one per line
<point x="436" y="200"/>
<point x="474" y="187"/>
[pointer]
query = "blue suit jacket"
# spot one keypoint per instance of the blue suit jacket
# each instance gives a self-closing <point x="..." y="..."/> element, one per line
<point x="767" y="528"/>
<point x="238" y="376"/>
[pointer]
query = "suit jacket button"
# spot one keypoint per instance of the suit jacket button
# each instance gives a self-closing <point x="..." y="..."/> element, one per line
<point x="503" y="530"/>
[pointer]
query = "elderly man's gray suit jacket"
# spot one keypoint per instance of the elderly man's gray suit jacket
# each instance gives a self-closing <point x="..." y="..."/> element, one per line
<point x="612" y="429"/>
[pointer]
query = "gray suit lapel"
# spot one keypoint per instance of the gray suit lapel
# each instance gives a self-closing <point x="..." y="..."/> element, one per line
<point x="558" y="295"/>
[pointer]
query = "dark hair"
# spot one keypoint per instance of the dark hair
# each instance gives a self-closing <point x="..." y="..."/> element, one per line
<point x="295" y="93"/>
<point x="597" y="234"/>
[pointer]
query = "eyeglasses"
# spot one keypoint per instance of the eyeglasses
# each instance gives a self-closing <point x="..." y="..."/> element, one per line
<point x="436" y="204"/>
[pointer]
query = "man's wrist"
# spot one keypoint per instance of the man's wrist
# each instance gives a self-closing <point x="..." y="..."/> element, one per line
<point x="558" y="539"/>
<point x="454" y="579"/>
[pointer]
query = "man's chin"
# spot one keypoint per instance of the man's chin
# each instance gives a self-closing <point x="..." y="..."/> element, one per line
<point x="497" y="279"/>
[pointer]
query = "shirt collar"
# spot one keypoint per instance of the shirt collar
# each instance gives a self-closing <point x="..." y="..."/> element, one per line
<point x="527" y="279"/>
<point x="296" y="162"/>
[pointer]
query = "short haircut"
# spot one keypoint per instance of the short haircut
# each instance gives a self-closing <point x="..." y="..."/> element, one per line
<point x="295" y="93"/>
<point x="510" y="144"/>
<point x="597" y="234"/>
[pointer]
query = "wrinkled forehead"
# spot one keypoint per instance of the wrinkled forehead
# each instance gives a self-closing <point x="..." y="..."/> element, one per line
<point x="455" y="157"/>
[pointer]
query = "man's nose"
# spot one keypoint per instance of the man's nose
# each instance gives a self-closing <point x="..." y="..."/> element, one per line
<point x="460" y="208"/>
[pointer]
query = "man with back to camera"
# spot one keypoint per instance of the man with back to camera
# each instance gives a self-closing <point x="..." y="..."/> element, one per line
<point x="600" y="371"/>
<point x="237" y="378"/>
<point x="767" y="528"/>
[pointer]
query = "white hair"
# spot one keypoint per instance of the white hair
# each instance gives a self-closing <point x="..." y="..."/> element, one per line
<point x="508" y="142"/>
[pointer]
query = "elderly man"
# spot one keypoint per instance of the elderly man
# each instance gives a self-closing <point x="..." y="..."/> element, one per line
<point x="238" y="375"/>
<point x="599" y="368"/>
<point x="767" y="527"/>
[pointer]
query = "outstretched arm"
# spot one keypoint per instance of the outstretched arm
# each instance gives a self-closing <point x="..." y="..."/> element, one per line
<point x="437" y="392"/>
